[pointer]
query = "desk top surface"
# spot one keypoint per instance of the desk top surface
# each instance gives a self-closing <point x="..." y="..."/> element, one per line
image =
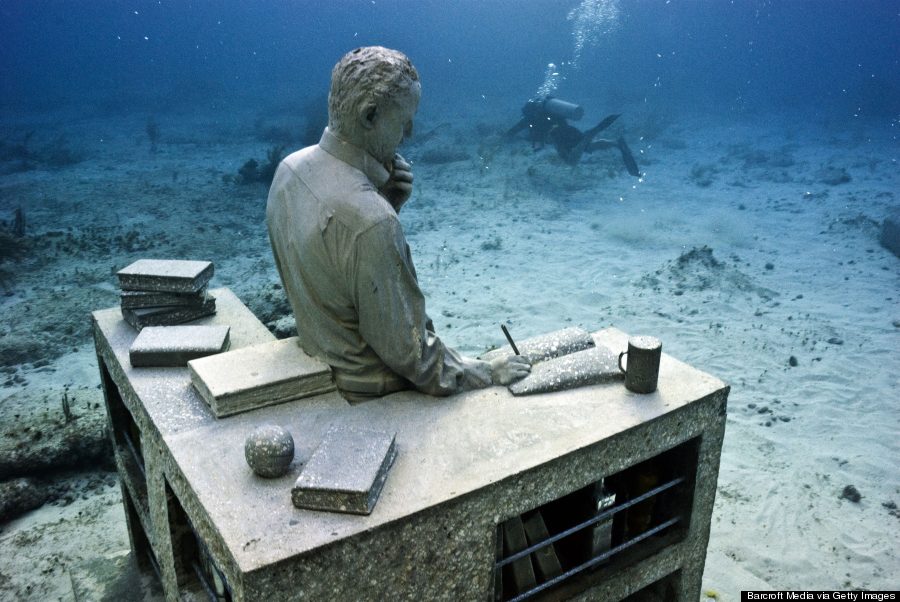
<point x="447" y="447"/>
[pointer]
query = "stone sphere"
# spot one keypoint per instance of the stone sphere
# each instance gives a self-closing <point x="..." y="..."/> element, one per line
<point x="269" y="450"/>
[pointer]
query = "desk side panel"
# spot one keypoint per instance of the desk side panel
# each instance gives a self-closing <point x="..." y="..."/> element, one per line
<point x="161" y="403"/>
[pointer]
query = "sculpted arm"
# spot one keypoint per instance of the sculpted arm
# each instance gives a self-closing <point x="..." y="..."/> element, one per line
<point x="392" y="320"/>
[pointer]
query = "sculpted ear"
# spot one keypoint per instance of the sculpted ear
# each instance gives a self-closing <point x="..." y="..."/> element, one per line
<point x="367" y="114"/>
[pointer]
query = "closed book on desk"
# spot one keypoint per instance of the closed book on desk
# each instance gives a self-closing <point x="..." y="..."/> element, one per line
<point x="261" y="375"/>
<point x="166" y="275"/>
<point x="346" y="472"/>
<point x="168" y="316"/>
<point x="177" y="345"/>
<point x="152" y="299"/>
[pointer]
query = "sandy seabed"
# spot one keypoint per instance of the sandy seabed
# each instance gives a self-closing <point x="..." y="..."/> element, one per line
<point x="750" y="247"/>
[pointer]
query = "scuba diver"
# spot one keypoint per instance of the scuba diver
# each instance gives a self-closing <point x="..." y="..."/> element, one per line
<point x="546" y="118"/>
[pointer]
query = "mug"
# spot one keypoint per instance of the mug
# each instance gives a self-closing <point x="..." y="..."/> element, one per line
<point x="643" y="354"/>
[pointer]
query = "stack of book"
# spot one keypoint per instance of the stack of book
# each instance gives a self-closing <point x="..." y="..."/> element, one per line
<point x="164" y="292"/>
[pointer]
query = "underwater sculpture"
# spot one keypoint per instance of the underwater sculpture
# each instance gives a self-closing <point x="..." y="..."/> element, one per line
<point x="341" y="252"/>
<point x="546" y="121"/>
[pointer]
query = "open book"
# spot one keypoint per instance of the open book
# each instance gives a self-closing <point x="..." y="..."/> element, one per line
<point x="563" y="359"/>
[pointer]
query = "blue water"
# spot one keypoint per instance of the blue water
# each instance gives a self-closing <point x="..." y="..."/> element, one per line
<point x="824" y="56"/>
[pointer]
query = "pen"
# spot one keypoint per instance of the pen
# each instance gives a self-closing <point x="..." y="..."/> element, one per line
<point x="509" y="338"/>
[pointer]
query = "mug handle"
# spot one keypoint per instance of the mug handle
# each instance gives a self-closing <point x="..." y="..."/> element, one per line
<point x="621" y="355"/>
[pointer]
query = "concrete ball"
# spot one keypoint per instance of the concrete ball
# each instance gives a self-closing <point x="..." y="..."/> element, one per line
<point x="269" y="450"/>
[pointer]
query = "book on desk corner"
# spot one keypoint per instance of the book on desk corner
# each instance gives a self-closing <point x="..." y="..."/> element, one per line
<point x="260" y="375"/>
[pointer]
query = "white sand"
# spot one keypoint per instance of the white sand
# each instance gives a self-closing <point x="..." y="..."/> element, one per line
<point x="520" y="237"/>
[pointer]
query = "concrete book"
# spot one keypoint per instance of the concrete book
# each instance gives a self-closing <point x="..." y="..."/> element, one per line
<point x="592" y="366"/>
<point x="520" y="573"/>
<point x="347" y="471"/>
<point x="144" y="299"/>
<point x="546" y="562"/>
<point x="166" y="275"/>
<point x="563" y="359"/>
<point x="166" y="346"/>
<point x="168" y="316"/>
<point x="257" y="376"/>
<point x="547" y="346"/>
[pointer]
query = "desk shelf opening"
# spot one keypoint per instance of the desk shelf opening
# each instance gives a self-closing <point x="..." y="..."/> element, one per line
<point x="577" y="540"/>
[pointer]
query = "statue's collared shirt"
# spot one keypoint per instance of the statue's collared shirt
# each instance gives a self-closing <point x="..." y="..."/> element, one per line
<point x="348" y="274"/>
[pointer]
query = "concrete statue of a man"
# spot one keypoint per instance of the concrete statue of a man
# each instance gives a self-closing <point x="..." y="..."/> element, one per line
<point x="341" y="252"/>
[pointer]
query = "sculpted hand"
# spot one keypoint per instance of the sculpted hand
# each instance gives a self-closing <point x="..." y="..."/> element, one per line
<point x="506" y="370"/>
<point x="398" y="188"/>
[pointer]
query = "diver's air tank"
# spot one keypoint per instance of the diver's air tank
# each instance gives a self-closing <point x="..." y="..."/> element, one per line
<point x="561" y="108"/>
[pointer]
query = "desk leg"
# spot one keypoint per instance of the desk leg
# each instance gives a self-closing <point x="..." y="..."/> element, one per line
<point x="162" y="534"/>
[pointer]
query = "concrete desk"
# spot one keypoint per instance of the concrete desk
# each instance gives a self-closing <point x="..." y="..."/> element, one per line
<point x="465" y="465"/>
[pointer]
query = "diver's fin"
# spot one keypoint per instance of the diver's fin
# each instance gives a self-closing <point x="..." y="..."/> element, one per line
<point x="628" y="158"/>
<point x="584" y="144"/>
<point x="602" y="125"/>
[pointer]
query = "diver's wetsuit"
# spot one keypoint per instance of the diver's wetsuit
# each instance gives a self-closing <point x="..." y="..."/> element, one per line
<point x="539" y="122"/>
<point x="570" y="142"/>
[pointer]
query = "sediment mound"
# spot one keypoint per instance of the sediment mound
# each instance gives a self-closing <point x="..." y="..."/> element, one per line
<point x="699" y="270"/>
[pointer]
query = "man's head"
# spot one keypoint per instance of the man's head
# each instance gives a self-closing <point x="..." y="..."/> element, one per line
<point x="374" y="96"/>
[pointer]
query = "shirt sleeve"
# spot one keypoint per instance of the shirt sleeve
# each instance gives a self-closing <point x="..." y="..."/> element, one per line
<point x="393" y="322"/>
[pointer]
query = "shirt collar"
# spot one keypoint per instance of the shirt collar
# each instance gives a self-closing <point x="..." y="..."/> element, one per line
<point x="354" y="156"/>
